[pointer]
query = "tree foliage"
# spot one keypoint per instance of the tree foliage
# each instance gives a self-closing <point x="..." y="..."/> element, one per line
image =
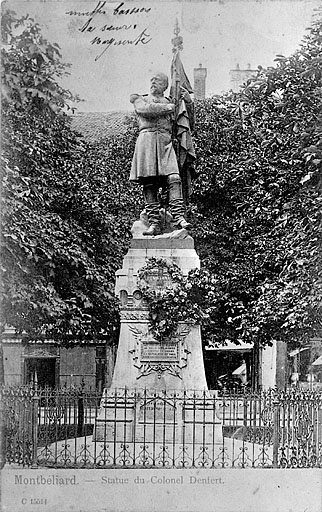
<point x="64" y="203"/>
<point x="256" y="205"/>
<point x="257" y="200"/>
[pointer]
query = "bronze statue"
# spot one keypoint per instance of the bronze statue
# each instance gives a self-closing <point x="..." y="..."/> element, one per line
<point x="155" y="162"/>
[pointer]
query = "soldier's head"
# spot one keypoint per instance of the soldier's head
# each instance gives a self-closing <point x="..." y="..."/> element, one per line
<point x="159" y="83"/>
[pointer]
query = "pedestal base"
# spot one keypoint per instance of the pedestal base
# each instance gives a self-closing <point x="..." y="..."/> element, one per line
<point x="149" y="402"/>
<point x="158" y="418"/>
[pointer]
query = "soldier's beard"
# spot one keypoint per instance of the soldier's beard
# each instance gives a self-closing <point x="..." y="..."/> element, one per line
<point x="155" y="90"/>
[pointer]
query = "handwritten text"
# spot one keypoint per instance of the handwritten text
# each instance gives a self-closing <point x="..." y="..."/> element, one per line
<point x="93" y="25"/>
<point x="142" y="38"/>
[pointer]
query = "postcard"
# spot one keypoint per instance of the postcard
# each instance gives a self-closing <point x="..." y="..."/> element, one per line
<point x="113" y="52"/>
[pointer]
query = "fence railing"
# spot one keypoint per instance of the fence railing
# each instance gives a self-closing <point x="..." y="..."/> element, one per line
<point x="142" y="428"/>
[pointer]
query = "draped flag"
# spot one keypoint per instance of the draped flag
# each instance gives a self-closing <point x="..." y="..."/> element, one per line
<point x="183" y="123"/>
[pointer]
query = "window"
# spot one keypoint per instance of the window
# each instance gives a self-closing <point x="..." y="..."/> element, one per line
<point x="41" y="369"/>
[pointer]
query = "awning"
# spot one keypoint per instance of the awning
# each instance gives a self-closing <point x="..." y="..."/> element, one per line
<point x="242" y="347"/>
<point x="318" y="361"/>
<point x="241" y="370"/>
<point x="297" y="351"/>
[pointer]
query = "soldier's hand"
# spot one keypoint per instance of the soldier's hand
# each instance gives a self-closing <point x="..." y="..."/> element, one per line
<point x="170" y="107"/>
<point x="184" y="95"/>
<point x="134" y="97"/>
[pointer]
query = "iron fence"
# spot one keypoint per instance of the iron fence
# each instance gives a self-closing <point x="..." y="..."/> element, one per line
<point x="143" y="428"/>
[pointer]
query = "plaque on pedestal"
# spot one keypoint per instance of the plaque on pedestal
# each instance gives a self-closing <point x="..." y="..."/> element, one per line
<point x="162" y="351"/>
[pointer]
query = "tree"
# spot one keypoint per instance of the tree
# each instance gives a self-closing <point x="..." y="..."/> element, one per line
<point x="257" y="200"/>
<point x="61" y="225"/>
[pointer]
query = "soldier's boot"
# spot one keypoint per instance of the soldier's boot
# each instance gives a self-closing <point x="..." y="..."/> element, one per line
<point x="152" y="209"/>
<point x="176" y="202"/>
<point x="153" y="213"/>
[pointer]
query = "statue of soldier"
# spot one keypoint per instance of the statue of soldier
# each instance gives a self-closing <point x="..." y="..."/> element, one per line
<point x="154" y="162"/>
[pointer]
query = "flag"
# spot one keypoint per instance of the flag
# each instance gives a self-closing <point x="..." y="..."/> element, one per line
<point x="183" y="123"/>
<point x="178" y="76"/>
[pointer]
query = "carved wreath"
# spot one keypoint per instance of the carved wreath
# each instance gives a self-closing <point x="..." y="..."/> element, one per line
<point x="161" y="265"/>
<point x="166" y="302"/>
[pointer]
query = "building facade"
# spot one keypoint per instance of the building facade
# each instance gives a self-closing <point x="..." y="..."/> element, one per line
<point x="50" y="364"/>
<point x="239" y="76"/>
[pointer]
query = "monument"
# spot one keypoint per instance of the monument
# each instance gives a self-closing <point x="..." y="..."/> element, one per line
<point x="153" y="377"/>
<point x="155" y="163"/>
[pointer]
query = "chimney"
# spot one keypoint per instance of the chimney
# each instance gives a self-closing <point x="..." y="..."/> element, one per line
<point x="199" y="75"/>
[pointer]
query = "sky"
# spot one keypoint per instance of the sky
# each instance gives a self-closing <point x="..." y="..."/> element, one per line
<point x="113" y="51"/>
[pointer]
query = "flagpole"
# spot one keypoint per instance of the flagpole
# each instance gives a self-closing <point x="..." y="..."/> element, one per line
<point x="177" y="46"/>
<point x="183" y="114"/>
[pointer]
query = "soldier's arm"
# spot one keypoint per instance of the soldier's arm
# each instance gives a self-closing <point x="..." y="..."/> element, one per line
<point x="146" y="109"/>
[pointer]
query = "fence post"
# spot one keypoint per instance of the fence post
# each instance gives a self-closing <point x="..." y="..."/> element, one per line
<point x="80" y="410"/>
<point x="276" y="425"/>
<point x="35" y="406"/>
<point x="3" y="440"/>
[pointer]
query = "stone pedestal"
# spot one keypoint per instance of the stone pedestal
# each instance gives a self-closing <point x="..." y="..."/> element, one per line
<point x="153" y="419"/>
<point x="144" y="363"/>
